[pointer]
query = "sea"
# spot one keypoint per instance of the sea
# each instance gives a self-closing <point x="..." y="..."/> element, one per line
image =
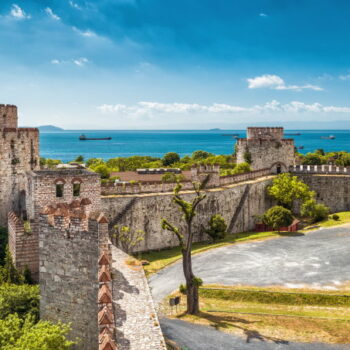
<point x="66" y="146"/>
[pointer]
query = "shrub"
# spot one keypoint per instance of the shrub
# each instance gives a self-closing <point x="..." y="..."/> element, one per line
<point x="182" y="288"/>
<point x="313" y="210"/>
<point x="8" y="272"/>
<point x="217" y="227"/>
<point x="200" y="155"/>
<point x="247" y="156"/>
<point x="335" y="217"/>
<point x="277" y="217"/>
<point x="103" y="170"/>
<point x="241" y="168"/>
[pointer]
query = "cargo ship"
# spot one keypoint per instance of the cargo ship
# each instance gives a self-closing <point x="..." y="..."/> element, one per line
<point x="84" y="138"/>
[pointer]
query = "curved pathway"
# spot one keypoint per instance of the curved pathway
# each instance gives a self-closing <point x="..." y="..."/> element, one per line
<point x="319" y="259"/>
<point x="195" y="337"/>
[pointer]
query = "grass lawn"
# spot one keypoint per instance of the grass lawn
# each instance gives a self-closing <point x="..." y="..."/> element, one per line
<point x="265" y="313"/>
<point x="160" y="259"/>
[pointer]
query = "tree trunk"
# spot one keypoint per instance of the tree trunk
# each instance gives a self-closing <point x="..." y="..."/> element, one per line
<point x="191" y="287"/>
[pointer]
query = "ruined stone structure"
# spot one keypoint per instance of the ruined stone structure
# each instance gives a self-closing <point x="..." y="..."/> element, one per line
<point x="19" y="154"/>
<point x="266" y="148"/>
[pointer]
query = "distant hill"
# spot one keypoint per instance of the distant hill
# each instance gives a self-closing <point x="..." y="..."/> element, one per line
<point x="49" y="128"/>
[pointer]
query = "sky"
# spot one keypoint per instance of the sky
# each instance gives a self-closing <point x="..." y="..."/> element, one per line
<point x="184" y="64"/>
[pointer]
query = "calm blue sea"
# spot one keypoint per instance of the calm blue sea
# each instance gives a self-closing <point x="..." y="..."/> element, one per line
<point x="66" y="145"/>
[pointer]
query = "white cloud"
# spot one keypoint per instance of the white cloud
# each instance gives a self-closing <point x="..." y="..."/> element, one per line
<point x="55" y="61"/>
<point x="262" y="14"/>
<point x="51" y="14"/>
<point x="74" y="5"/>
<point x="152" y="108"/>
<point x="80" y="61"/>
<point x="277" y="83"/>
<point x="344" y="77"/>
<point x="18" y="13"/>
<point x="88" y="33"/>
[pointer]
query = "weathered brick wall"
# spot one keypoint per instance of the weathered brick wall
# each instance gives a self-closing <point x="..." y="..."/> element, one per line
<point x="19" y="153"/>
<point x="237" y="203"/>
<point x="265" y="133"/>
<point x="68" y="255"/>
<point x="23" y="245"/>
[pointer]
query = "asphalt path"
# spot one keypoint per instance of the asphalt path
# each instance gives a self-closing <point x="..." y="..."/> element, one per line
<point x="195" y="337"/>
<point x="319" y="259"/>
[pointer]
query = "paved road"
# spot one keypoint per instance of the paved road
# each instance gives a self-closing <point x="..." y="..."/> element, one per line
<point x="318" y="259"/>
<point x="196" y="337"/>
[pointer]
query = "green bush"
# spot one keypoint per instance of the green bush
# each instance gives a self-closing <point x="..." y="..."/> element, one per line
<point x="8" y="272"/>
<point x="216" y="227"/>
<point x="277" y="217"/>
<point x="335" y="217"/>
<point x="103" y="170"/>
<point x="19" y="334"/>
<point x="182" y="288"/>
<point x="313" y="210"/>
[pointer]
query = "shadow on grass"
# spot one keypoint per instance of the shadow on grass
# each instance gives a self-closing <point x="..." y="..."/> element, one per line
<point x="291" y="234"/>
<point x="227" y="322"/>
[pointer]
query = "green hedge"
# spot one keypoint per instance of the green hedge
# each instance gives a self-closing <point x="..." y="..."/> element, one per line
<point x="269" y="297"/>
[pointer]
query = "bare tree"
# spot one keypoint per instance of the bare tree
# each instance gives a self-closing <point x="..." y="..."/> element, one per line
<point x="185" y="237"/>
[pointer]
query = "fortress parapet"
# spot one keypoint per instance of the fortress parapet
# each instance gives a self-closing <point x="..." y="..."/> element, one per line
<point x="8" y="116"/>
<point x="320" y="169"/>
<point x="266" y="148"/>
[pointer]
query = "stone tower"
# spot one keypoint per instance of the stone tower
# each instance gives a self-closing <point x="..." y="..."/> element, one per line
<point x="266" y="148"/>
<point x="19" y="153"/>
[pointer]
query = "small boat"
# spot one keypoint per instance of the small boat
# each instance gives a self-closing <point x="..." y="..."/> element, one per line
<point x="330" y="137"/>
<point x="301" y="147"/>
<point x="84" y="138"/>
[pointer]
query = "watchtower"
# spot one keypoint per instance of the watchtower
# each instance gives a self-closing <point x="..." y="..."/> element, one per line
<point x="266" y="147"/>
<point x="19" y="153"/>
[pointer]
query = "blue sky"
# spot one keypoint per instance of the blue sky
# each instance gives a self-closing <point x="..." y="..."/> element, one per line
<point x="184" y="64"/>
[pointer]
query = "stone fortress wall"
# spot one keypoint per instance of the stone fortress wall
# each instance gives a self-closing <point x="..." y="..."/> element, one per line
<point x="237" y="203"/>
<point x="19" y="154"/>
<point x="267" y="149"/>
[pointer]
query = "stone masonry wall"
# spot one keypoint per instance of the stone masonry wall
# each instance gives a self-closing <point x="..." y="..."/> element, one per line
<point x="332" y="190"/>
<point x="19" y="153"/>
<point x="237" y="203"/>
<point x="42" y="188"/>
<point x="8" y="116"/>
<point x="266" y="153"/>
<point x="23" y="245"/>
<point x="69" y="254"/>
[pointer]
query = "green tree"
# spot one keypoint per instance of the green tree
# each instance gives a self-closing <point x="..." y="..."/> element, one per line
<point x="9" y="273"/>
<point x="3" y="244"/>
<point x="170" y="158"/>
<point x="20" y="299"/>
<point x="103" y="170"/>
<point x="79" y="159"/>
<point x="313" y="210"/>
<point x="19" y="334"/>
<point x="312" y="159"/>
<point x="217" y="228"/>
<point x="286" y="189"/>
<point x="200" y="155"/>
<point x="184" y="234"/>
<point x="126" y="238"/>
<point x="277" y="217"/>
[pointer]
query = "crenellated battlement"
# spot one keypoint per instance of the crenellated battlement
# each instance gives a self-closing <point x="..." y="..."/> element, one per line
<point x="8" y="116"/>
<point x="275" y="133"/>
